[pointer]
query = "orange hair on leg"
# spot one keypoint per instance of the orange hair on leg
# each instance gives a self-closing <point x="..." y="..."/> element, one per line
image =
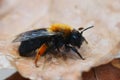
<point x="40" y="51"/>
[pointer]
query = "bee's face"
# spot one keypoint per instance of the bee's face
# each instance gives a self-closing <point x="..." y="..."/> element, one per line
<point x="76" y="38"/>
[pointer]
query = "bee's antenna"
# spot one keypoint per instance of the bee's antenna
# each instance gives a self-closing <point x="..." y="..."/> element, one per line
<point x="86" y="29"/>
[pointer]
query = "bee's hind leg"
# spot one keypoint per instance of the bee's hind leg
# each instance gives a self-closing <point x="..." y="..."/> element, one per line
<point x="40" y="51"/>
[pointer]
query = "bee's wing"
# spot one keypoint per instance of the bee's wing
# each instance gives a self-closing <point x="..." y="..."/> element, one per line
<point x="39" y="33"/>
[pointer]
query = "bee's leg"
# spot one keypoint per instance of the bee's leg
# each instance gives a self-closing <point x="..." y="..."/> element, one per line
<point x="76" y="51"/>
<point x="50" y="48"/>
<point x="67" y="48"/>
<point x="40" y="51"/>
<point x="86" y="41"/>
<point x="58" y="50"/>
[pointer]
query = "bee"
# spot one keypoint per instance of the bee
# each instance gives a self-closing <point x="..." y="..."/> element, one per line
<point x="42" y="41"/>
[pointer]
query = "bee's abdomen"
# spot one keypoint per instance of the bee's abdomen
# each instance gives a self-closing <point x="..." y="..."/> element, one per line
<point x="27" y="48"/>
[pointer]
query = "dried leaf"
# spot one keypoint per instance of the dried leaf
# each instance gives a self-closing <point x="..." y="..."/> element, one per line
<point x="116" y="63"/>
<point x="103" y="39"/>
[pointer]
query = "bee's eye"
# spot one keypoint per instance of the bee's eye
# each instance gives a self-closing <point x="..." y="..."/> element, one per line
<point x="74" y="37"/>
<point x="74" y="40"/>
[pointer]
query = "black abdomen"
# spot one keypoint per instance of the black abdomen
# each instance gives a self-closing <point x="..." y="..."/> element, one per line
<point x="27" y="48"/>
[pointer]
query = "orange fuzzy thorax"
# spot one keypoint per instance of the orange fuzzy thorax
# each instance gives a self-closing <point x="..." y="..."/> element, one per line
<point x="66" y="29"/>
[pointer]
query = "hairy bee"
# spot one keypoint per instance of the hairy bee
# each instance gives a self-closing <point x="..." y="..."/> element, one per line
<point x="45" y="40"/>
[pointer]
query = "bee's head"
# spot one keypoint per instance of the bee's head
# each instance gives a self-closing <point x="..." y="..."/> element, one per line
<point x="76" y="38"/>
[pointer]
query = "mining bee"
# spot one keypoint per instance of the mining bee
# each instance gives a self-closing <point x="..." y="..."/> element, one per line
<point x="41" y="41"/>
